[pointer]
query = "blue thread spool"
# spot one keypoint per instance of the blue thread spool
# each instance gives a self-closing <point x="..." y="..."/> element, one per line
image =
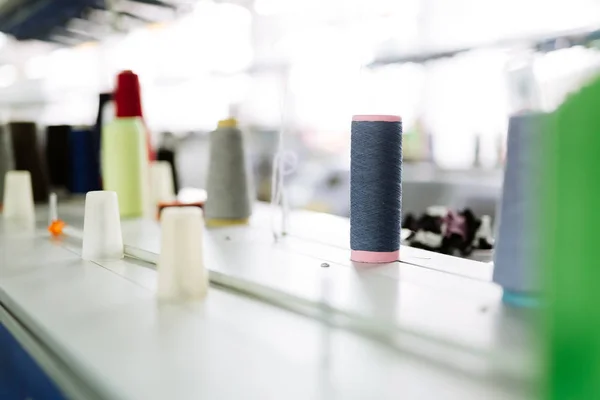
<point x="517" y="242"/>
<point x="375" y="188"/>
<point x="85" y="171"/>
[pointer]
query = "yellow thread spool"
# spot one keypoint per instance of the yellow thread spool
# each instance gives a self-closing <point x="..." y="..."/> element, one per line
<point x="220" y="223"/>
<point x="228" y="123"/>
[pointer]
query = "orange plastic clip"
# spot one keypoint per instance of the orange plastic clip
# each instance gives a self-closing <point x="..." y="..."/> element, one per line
<point x="56" y="227"/>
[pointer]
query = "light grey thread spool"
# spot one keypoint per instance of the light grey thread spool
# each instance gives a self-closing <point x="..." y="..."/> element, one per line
<point x="7" y="161"/>
<point x="228" y="186"/>
<point x="516" y="243"/>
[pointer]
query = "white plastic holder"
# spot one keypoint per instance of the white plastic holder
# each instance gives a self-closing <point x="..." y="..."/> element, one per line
<point x="102" y="237"/>
<point x="18" y="197"/>
<point x="182" y="275"/>
<point x="161" y="175"/>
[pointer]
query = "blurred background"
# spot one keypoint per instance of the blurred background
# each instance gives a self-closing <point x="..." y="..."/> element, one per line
<point x="453" y="69"/>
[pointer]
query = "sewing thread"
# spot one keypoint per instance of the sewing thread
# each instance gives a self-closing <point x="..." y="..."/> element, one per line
<point x="128" y="103"/>
<point x="106" y="113"/>
<point x="7" y="161"/>
<point x="228" y="186"/>
<point x="167" y="152"/>
<point x="57" y="154"/>
<point x="568" y="230"/>
<point x="85" y="172"/>
<point x="28" y="158"/>
<point x="375" y="188"/>
<point x="124" y="155"/>
<point x="517" y="242"/>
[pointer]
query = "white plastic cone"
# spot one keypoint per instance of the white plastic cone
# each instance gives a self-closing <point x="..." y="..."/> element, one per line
<point x="161" y="175"/>
<point x="102" y="237"/>
<point x="18" y="197"/>
<point x="485" y="229"/>
<point x="181" y="272"/>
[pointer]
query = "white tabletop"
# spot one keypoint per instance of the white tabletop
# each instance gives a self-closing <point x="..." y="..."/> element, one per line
<point x="104" y="321"/>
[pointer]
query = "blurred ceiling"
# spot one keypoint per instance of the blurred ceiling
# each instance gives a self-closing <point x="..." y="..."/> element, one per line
<point x="70" y="22"/>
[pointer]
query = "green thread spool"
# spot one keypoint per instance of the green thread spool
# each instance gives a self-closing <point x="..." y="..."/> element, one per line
<point x="125" y="167"/>
<point x="569" y="257"/>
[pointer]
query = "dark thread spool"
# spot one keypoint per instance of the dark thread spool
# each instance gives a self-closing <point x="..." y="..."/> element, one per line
<point x="166" y="152"/>
<point x="85" y="172"/>
<point x="375" y="188"/>
<point x="517" y="239"/>
<point x="7" y="161"/>
<point x="28" y="158"/>
<point x="103" y="100"/>
<point x="57" y="154"/>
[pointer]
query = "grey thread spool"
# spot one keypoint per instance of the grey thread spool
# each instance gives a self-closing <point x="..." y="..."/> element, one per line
<point x="516" y="242"/>
<point x="228" y="187"/>
<point x="7" y="161"/>
<point x="375" y="188"/>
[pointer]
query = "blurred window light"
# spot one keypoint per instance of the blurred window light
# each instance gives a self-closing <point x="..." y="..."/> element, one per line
<point x="3" y="39"/>
<point x="335" y="10"/>
<point x="458" y="23"/>
<point x="8" y="75"/>
<point x="279" y="7"/>
<point x="323" y="45"/>
<point x="465" y="97"/>
<point x="563" y="71"/>
<point x="224" y="37"/>
<point x="522" y="84"/>
<point x="36" y="67"/>
<point x="175" y="107"/>
<point x="215" y="37"/>
<point x="263" y="100"/>
<point x="135" y="51"/>
<point x="72" y="109"/>
<point x="73" y="68"/>
<point x="269" y="7"/>
<point x="564" y="62"/>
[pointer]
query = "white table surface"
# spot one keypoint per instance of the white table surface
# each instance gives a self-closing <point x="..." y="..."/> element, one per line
<point x="103" y="319"/>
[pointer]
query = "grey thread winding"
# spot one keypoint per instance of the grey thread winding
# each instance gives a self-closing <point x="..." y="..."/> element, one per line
<point x="228" y="184"/>
<point x="7" y="161"/>
<point x="516" y="241"/>
<point x="375" y="186"/>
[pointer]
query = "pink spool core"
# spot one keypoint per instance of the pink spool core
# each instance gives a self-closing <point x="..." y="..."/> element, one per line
<point x="377" y="118"/>
<point x="374" y="256"/>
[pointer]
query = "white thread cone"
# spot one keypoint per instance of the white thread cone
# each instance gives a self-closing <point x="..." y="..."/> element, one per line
<point x="181" y="272"/>
<point x="437" y="211"/>
<point x="161" y="175"/>
<point x="18" y="197"/>
<point x="102" y="238"/>
<point x="485" y="229"/>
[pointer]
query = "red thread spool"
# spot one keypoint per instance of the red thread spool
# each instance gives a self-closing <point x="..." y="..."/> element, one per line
<point x="128" y="102"/>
